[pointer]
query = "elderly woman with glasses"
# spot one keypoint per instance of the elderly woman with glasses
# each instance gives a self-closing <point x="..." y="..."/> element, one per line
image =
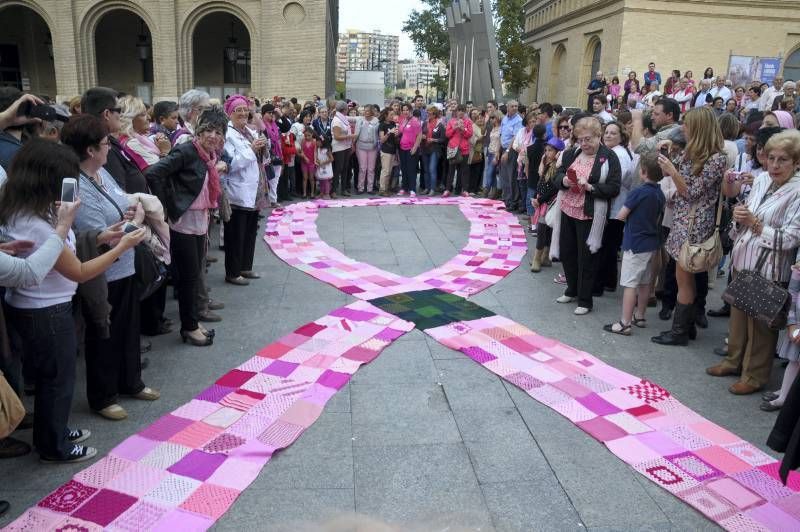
<point x="246" y="149"/>
<point x="589" y="178"/>
<point x="188" y="184"/>
<point x="191" y="104"/>
<point x="113" y="358"/>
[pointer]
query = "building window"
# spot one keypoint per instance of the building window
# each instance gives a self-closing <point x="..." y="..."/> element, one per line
<point x="237" y="70"/>
<point x="791" y="70"/>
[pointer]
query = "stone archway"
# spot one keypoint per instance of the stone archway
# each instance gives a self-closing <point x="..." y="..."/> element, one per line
<point x="89" y="21"/>
<point x="124" y="53"/>
<point x="26" y="48"/>
<point x="554" y="87"/>
<point x="791" y="67"/>
<point x="244" y="32"/>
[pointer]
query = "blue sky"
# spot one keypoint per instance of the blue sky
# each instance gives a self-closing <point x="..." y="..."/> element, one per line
<point x="387" y="16"/>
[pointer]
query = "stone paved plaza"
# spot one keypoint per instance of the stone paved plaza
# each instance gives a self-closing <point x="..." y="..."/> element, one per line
<point x="424" y="438"/>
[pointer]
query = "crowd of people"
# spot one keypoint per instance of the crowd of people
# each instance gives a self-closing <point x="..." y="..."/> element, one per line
<point x="645" y="176"/>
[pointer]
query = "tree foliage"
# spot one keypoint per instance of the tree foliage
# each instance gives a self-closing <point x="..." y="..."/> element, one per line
<point x="427" y="29"/>
<point x="516" y="58"/>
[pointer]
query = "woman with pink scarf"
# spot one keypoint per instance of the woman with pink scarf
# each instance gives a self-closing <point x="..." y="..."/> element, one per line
<point x="134" y="130"/>
<point x="187" y="183"/>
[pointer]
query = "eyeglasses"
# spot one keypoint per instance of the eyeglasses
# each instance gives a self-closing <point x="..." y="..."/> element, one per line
<point x="241" y="110"/>
<point x="585" y="140"/>
<point x="117" y="110"/>
<point x="565" y="128"/>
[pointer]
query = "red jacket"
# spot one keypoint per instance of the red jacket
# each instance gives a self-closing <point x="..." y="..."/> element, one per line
<point x="458" y="137"/>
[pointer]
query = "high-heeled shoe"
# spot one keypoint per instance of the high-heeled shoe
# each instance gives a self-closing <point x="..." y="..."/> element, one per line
<point x="187" y="337"/>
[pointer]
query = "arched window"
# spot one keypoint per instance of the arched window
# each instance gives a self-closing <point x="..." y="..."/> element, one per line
<point x="596" y="57"/>
<point x="791" y="70"/>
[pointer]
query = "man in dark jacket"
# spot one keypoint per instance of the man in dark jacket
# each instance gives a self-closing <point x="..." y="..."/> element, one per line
<point x="11" y="136"/>
<point x="102" y="102"/>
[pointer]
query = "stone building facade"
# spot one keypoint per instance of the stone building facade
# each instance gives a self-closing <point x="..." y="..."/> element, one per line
<point x="158" y="49"/>
<point x="574" y="38"/>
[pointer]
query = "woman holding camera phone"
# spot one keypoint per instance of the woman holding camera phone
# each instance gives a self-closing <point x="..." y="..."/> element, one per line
<point x="113" y="362"/>
<point x="769" y="217"/>
<point x="42" y="314"/>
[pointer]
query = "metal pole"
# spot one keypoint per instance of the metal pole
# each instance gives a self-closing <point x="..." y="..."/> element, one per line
<point x="471" y="67"/>
<point x="463" y="75"/>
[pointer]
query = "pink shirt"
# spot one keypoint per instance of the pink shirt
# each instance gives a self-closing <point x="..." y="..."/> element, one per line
<point x="195" y="220"/>
<point x="409" y="130"/>
<point x="574" y="198"/>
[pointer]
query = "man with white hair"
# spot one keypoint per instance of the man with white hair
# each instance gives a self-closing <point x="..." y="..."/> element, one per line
<point x="769" y="95"/>
<point x="705" y="89"/>
<point x="595" y="88"/>
<point x="788" y="94"/>
<point x="720" y="90"/>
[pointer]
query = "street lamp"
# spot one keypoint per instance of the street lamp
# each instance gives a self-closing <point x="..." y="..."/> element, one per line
<point x="144" y="48"/>
<point x="232" y="50"/>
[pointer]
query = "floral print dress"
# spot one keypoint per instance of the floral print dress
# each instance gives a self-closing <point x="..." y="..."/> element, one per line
<point x="703" y="194"/>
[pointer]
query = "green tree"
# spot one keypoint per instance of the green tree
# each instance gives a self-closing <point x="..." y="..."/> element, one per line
<point x="516" y="58"/>
<point x="427" y="29"/>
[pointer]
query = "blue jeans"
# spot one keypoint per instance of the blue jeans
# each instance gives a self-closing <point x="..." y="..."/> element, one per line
<point x="528" y="198"/>
<point x="431" y="163"/>
<point x="48" y="335"/>
<point x="490" y="173"/>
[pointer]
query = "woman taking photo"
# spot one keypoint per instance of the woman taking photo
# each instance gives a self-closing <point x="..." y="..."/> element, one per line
<point x="767" y="222"/>
<point x="246" y="149"/>
<point x="697" y="175"/>
<point x="42" y="314"/>
<point x="388" y="134"/>
<point x="589" y="178"/>
<point x="187" y="183"/>
<point x="113" y="363"/>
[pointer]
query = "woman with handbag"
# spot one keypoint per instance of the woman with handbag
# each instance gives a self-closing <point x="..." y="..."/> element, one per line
<point x="113" y="358"/>
<point x="241" y="183"/>
<point x="42" y="313"/>
<point x="458" y="133"/>
<point x="188" y="185"/>
<point x="589" y="179"/>
<point x="767" y="236"/>
<point x="693" y="240"/>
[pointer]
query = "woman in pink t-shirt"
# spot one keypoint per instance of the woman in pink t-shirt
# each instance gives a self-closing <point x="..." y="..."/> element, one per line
<point x="410" y="136"/>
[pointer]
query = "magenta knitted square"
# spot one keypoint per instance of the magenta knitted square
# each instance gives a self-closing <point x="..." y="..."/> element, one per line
<point x="333" y="379"/>
<point x="279" y="368"/>
<point x="214" y="393"/>
<point x="197" y="465"/>
<point x="104" y="507"/>
<point x="67" y="498"/>
<point x="165" y="427"/>
<point x="235" y="378"/>
<point x="141" y="516"/>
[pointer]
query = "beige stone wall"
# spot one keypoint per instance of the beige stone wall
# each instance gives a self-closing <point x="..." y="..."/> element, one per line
<point x="565" y="82"/>
<point x="705" y="33"/>
<point x="290" y="45"/>
<point x="682" y="34"/>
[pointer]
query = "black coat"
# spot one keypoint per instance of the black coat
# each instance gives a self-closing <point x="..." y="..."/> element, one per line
<point x="534" y="152"/>
<point x="123" y="170"/>
<point x="608" y="190"/>
<point x="177" y="179"/>
<point x="785" y="435"/>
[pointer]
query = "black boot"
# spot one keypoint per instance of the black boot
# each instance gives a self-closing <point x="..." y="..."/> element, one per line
<point x="679" y="334"/>
<point x="700" y="318"/>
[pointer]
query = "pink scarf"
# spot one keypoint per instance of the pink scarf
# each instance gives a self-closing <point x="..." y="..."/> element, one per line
<point x="214" y="187"/>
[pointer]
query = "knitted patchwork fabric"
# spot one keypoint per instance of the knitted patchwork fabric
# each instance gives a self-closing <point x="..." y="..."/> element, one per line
<point x="187" y="468"/>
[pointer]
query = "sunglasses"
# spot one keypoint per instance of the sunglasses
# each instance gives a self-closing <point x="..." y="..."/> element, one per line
<point x="117" y="110"/>
<point x="566" y="128"/>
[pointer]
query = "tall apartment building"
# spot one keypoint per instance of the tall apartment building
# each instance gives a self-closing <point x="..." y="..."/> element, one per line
<point x="420" y="73"/>
<point x="158" y="49"/>
<point x="360" y="50"/>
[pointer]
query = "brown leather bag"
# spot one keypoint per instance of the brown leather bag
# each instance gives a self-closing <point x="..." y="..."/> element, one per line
<point x="758" y="297"/>
<point x="11" y="409"/>
<point x="704" y="256"/>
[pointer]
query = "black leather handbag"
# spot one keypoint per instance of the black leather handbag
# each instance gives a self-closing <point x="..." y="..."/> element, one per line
<point x="757" y="296"/>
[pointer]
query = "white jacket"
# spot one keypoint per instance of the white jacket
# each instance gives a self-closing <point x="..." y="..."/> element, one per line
<point x="241" y="181"/>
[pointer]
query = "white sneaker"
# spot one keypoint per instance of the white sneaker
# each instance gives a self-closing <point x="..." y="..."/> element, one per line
<point x="580" y="311"/>
<point x="412" y="194"/>
<point x="565" y="299"/>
